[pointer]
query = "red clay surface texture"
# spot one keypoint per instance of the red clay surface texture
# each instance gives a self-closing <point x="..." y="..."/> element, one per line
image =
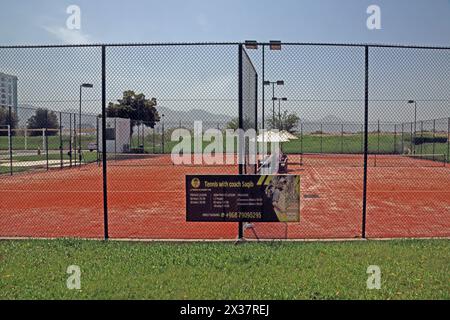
<point x="146" y="199"/>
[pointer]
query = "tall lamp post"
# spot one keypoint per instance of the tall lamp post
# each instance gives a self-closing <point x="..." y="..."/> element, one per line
<point x="84" y="85"/>
<point x="415" y="123"/>
<point x="273" y="83"/>
<point x="279" y="108"/>
<point x="274" y="45"/>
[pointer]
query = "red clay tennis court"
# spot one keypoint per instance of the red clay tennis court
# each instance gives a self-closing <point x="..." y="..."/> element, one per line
<point x="407" y="197"/>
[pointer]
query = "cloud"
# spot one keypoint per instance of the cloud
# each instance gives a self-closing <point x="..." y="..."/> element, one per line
<point x="68" y="36"/>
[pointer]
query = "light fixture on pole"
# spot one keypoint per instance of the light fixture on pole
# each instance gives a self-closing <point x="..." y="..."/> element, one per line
<point x="275" y="45"/>
<point x="251" y="44"/>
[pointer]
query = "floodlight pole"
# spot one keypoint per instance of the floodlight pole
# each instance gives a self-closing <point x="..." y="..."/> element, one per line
<point x="273" y="83"/>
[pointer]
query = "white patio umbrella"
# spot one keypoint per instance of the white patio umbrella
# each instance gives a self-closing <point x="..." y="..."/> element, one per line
<point x="288" y="135"/>
<point x="271" y="136"/>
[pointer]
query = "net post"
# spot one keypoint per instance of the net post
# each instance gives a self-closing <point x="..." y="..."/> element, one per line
<point x="366" y="139"/>
<point x="60" y="140"/>
<point x="104" y="167"/>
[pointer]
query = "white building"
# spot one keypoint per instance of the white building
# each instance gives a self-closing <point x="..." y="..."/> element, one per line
<point x="117" y="135"/>
<point x="8" y="91"/>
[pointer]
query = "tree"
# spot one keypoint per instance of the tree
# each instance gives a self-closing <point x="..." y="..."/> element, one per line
<point x="42" y="119"/>
<point x="233" y="124"/>
<point x="136" y="108"/>
<point x="287" y="121"/>
<point x="4" y="121"/>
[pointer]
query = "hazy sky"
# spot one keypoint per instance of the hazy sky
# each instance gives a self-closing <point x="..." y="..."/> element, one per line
<point x="403" y="21"/>
<point x="205" y="78"/>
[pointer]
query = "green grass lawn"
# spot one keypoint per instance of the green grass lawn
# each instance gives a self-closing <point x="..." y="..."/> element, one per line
<point x="410" y="269"/>
<point x="36" y="142"/>
<point x="383" y="143"/>
<point x="40" y="160"/>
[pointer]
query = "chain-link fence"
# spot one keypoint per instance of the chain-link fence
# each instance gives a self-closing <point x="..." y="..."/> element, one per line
<point x="96" y="140"/>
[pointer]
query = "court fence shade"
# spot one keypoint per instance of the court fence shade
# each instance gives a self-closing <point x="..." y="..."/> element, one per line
<point x="88" y="148"/>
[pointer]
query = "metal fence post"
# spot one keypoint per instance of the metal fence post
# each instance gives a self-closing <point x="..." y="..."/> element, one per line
<point x="403" y="141"/>
<point x="162" y="138"/>
<point x="105" y="185"/>
<point x="434" y="138"/>
<point x="256" y="123"/>
<point x="70" y="140"/>
<point x="301" y="143"/>
<point x="143" y="137"/>
<point x="153" y="134"/>
<point x="240" y="106"/>
<point x="366" y="140"/>
<point x="395" y="139"/>
<point x="362" y="139"/>
<point x="378" y="140"/>
<point x="75" y="138"/>
<point x="115" y="139"/>
<point x="448" y="140"/>
<point x="421" y="137"/>
<point x="60" y="140"/>
<point x="10" y="135"/>
<point x="263" y="87"/>
<point x="46" y="137"/>
<point x="97" y="143"/>
<point x="321" y="138"/>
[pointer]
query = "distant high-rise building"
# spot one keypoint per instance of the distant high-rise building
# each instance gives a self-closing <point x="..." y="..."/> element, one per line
<point x="8" y="91"/>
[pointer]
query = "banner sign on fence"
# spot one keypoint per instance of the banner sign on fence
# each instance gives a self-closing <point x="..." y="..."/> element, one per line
<point x="253" y="198"/>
